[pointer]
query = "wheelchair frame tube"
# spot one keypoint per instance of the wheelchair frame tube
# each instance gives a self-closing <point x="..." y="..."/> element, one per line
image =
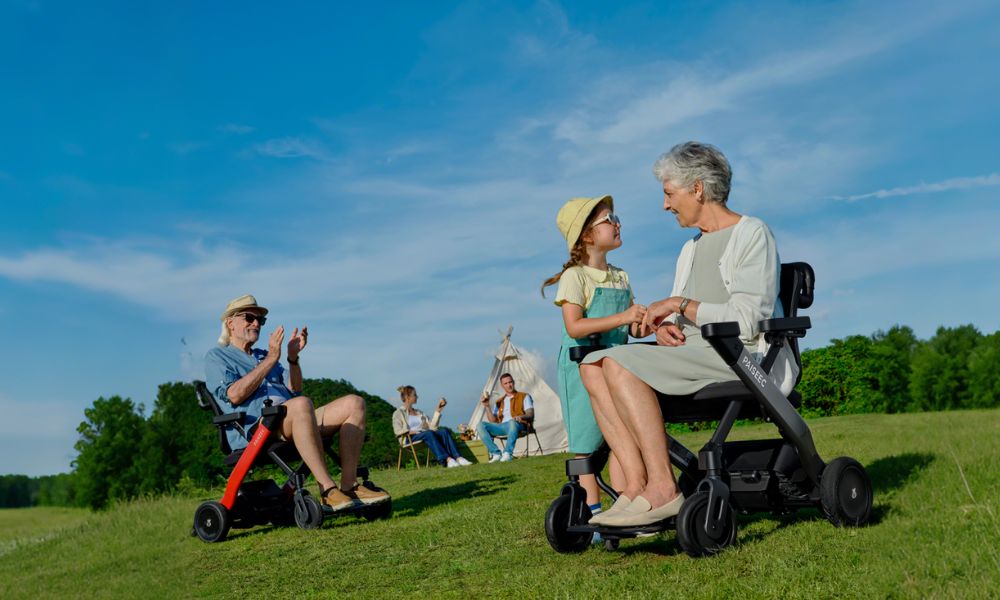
<point x="774" y="404"/>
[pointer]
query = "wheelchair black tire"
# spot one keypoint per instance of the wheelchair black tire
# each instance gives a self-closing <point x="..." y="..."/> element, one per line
<point x="556" y="522"/>
<point x="211" y="522"/>
<point x="311" y="515"/>
<point x="691" y="532"/>
<point x="845" y="493"/>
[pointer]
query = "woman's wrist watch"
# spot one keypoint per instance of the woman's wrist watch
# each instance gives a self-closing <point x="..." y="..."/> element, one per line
<point x="684" y="305"/>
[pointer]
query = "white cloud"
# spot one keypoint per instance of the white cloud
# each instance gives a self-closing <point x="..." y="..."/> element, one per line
<point x="236" y="128"/>
<point x="292" y="147"/>
<point x="957" y="183"/>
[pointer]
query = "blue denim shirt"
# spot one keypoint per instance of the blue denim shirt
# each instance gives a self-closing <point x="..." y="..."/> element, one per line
<point x="224" y="365"/>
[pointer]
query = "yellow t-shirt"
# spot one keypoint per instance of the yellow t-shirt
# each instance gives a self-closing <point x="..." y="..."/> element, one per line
<point x="578" y="283"/>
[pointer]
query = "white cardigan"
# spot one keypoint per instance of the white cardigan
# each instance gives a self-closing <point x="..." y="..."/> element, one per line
<point x="750" y="270"/>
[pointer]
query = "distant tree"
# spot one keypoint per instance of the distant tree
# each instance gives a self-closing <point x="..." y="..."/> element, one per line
<point x="839" y="379"/>
<point x="107" y="451"/>
<point x="984" y="373"/>
<point x="890" y="357"/>
<point x="56" y="490"/>
<point x="16" y="491"/>
<point x="940" y="369"/>
<point x="381" y="446"/>
<point x="180" y="441"/>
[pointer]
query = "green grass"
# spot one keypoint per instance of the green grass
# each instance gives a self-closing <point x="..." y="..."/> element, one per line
<point x="478" y="532"/>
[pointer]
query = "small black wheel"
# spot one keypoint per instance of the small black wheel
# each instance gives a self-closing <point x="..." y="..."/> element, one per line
<point x="309" y="516"/>
<point x="845" y="493"/>
<point x="611" y="545"/>
<point x="382" y="510"/>
<point x="691" y="533"/>
<point x="557" y="520"/>
<point x="211" y="522"/>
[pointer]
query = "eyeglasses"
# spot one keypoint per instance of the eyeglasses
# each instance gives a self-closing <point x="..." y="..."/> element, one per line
<point x="250" y="318"/>
<point x="610" y="218"/>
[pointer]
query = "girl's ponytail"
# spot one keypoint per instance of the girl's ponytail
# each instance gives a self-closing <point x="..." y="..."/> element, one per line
<point x="577" y="256"/>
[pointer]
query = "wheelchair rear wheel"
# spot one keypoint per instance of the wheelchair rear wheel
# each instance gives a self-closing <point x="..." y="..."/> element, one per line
<point x="309" y="515"/>
<point x="557" y="521"/>
<point x="691" y="532"/>
<point x="211" y="522"/>
<point x="845" y="492"/>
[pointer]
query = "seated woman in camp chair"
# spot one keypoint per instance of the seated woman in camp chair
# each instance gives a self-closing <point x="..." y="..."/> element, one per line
<point x="728" y="272"/>
<point x="411" y="423"/>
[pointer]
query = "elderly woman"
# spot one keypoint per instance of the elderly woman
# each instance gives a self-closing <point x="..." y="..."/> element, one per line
<point x="728" y="272"/>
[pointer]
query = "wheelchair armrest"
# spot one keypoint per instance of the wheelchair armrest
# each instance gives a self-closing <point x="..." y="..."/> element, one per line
<point x="786" y="324"/>
<point x="578" y="353"/>
<point x="236" y="417"/>
<point x="273" y="410"/>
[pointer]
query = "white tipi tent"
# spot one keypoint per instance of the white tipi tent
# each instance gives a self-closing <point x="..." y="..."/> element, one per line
<point x="548" y="410"/>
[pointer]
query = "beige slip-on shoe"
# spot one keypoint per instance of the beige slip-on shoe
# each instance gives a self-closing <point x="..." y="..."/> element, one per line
<point x="640" y="513"/>
<point x="620" y="504"/>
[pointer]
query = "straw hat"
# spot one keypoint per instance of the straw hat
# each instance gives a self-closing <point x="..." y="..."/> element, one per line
<point x="573" y="215"/>
<point x="246" y="303"/>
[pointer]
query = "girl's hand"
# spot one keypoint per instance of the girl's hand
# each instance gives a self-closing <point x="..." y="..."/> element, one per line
<point x="634" y="314"/>
<point x="669" y="334"/>
<point x="659" y="310"/>
<point x="442" y="403"/>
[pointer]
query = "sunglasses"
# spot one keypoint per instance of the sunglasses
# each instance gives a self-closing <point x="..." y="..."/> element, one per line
<point x="250" y="318"/>
<point x="610" y="218"/>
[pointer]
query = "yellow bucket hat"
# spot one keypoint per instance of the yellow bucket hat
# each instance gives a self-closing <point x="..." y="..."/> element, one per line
<point x="574" y="213"/>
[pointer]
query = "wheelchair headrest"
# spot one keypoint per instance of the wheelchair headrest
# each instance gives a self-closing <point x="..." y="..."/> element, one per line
<point x="797" y="283"/>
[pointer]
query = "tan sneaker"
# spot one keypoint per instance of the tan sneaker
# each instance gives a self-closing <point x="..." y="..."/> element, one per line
<point x="368" y="496"/>
<point x="336" y="500"/>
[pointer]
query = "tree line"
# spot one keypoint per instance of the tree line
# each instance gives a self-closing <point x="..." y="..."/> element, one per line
<point x="123" y="454"/>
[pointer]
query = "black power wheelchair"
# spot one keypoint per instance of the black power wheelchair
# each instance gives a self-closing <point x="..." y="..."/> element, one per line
<point x="249" y="503"/>
<point x="777" y="475"/>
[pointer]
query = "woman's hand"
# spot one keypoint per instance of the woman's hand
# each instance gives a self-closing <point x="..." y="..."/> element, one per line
<point x="634" y="314"/>
<point x="669" y="334"/>
<point x="442" y="403"/>
<point x="659" y="310"/>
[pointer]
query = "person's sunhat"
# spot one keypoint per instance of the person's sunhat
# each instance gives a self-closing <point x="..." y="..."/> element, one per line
<point x="573" y="215"/>
<point x="245" y="303"/>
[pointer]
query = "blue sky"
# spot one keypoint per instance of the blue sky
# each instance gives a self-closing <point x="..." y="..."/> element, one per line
<point x="390" y="177"/>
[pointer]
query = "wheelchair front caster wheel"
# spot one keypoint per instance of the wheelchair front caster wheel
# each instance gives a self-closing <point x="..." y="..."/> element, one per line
<point x="692" y="532"/>
<point x="211" y="522"/>
<point x="557" y="520"/>
<point x="611" y="545"/>
<point x="308" y="514"/>
<point x="845" y="493"/>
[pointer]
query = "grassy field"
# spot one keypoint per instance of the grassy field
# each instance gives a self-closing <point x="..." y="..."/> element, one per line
<point x="478" y="532"/>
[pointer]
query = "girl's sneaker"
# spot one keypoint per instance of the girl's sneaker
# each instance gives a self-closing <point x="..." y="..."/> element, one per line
<point x="462" y="462"/>
<point x="451" y="462"/>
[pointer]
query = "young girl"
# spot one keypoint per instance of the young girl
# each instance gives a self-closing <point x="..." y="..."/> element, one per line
<point x="595" y="297"/>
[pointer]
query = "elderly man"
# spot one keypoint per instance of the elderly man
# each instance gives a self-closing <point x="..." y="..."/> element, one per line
<point x="509" y="416"/>
<point x="242" y="378"/>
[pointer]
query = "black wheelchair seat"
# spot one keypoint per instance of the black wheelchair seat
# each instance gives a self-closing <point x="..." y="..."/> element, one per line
<point x="710" y="403"/>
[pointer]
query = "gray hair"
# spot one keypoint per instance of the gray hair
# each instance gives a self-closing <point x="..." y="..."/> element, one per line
<point x="224" y="336"/>
<point x="690" y="162"/>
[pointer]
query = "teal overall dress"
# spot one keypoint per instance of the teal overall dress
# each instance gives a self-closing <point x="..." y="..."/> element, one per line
<point x="581" y="429"/>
